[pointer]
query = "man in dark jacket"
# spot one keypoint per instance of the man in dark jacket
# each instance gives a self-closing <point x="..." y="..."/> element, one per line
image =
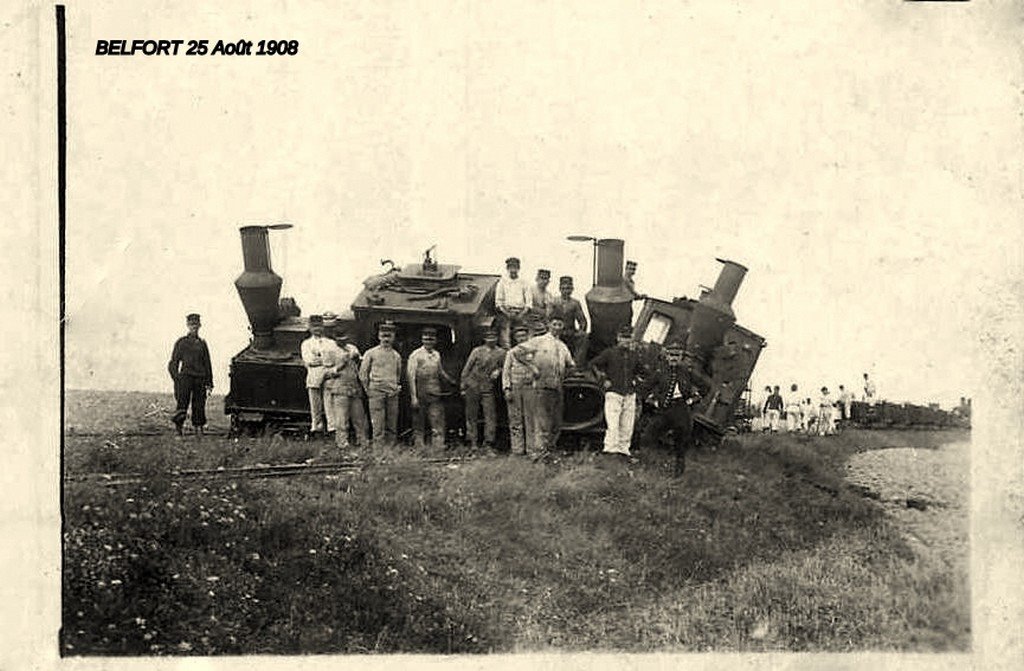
<point x="673" y="392"/>
<point x="192" y="374"/>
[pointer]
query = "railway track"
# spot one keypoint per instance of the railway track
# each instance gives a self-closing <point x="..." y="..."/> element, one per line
<point x="255" y="472"/>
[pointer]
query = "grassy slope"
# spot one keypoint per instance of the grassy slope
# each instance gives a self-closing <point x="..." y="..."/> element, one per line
<point x="759" y="546"/>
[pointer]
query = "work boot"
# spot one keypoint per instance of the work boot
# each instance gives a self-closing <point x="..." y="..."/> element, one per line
<point x="179" y="427"/>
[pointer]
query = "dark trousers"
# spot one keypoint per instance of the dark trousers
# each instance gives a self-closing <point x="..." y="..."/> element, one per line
<point x="474" y="400"/>
<point x="677" y="419"/>
<point x="190" y="389"/>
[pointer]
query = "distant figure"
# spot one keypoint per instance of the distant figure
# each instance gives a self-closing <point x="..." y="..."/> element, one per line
<point x="478" y="382"/>
<point x="793" y="410"/>
<point x="826" y="414"/>
<point x="192" y="374"/>
<point x="845" y="398"/>
<point x="517" y="376"/>
<point x="512" y="300"/>
<point x="425" y="373"/>
<point x="381" y="374"/>
<point x="541" y="298"/>
<point x="344" y="393"/>
<point x="629" y="281"/>
<point x="762" y="405"/>
<point x="618" y="369"/>
<point x="574" y="332"/>
<point x="773" y="409"/>
<point x="808" y="413"/>
<point x="869" y="391"/>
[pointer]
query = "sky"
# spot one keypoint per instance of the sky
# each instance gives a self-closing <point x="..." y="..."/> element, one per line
<point x="858" y="159"/>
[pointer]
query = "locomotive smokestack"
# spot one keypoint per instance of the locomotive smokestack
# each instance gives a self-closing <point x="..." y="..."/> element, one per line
<point x="258" y="286"/>
<point x="726" y="286"/>
<point x="609" y="262"/>
<point x="610" y="303"/>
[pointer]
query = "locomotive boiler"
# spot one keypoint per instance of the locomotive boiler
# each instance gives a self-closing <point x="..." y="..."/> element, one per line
<point x="267" y="377"/>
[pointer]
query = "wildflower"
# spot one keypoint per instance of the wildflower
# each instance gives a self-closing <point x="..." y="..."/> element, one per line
<point x="115" y="582"/>
<point x="184" y="646"/>
<point x="212" y="578"/>
<point x="312" y="551"/>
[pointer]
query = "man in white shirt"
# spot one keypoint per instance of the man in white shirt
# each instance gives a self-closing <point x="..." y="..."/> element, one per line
<point x="317" y="352"/>
<point x="425" y="372"/>
<point x="512" y="299"/>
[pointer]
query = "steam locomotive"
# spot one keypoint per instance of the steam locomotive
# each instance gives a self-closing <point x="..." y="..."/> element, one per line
<point x="267" y="385"/>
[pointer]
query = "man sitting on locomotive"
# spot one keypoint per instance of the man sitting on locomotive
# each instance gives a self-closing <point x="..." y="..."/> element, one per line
<point x="381" y="374"/>
<point x="512" y="300"/>
<point x="425" y="372"/>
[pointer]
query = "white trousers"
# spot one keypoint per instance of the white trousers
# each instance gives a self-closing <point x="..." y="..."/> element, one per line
<point x="619" y="415"/>
<point x="773" y="420"/>
<point x="318" y="410"/>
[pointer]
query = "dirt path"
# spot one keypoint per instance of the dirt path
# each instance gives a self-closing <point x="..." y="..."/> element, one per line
<point x="926" y="492"/>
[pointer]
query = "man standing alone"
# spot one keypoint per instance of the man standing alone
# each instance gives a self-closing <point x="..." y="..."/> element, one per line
<point x="773" y="409"/>
<point x="192" y="374"/>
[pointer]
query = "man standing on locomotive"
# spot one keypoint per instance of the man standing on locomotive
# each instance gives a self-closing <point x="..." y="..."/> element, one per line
<point x="574" y="331"/>
<point x="482" y="369"/>
<point x="344" y="392"/>
<point x="512" y="300"/>
<point x="517" y="376"/>
<point x="316" y="350"/>
<point x="192" y="374"/>
<point x="381" y="374"/>
<point x="425" y="372"/>
<point x="541" y="298"/>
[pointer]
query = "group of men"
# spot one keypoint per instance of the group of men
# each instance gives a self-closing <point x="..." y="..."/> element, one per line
<point x="820" y="417"/>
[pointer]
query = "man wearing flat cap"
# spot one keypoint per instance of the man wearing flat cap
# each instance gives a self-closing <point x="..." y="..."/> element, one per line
<point x="192" y="374"/>
<point x="574" y="320"/>
<point x="673" y="394"/>
<point x="541" y="298"/>
<point x="553" y="362"/>
<point x="477" y="384"/>
<point x="512" y="300"/>
<point x="318" y="353"/>
<point x="619" y="368"/>
<point x="381" y="377"/>
<point x="425" y="372"/>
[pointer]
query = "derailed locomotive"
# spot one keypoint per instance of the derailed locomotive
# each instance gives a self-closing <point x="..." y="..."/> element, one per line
<point x="267" y="378"/>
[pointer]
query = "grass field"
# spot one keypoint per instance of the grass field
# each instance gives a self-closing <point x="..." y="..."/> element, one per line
<point x="760" y="546"/>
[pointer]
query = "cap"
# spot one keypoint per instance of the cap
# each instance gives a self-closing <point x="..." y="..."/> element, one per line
<point x="556" y="315"/>
<point x="543" y="274"/>
<point x="490" y="332"/>
<point x="631" y="264"/>
<point x="428" y="332"/>
<point x="521" y="328"/>
<point x="341" y="334"/>
<point x="625" y="332"/>
<point x="192" y="318"/>
<point x="539" y="327"/>
<point x="512" y="261"/>
<point x="316" y="320"/>
<point x="565" y="280"/>
<point x="330" y="317"/>
<point x="386" y="326"/>
<point x="674" y="346"/>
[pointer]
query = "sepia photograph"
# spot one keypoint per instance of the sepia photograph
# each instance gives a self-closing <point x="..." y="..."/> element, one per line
<point x="524" y="331"/>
